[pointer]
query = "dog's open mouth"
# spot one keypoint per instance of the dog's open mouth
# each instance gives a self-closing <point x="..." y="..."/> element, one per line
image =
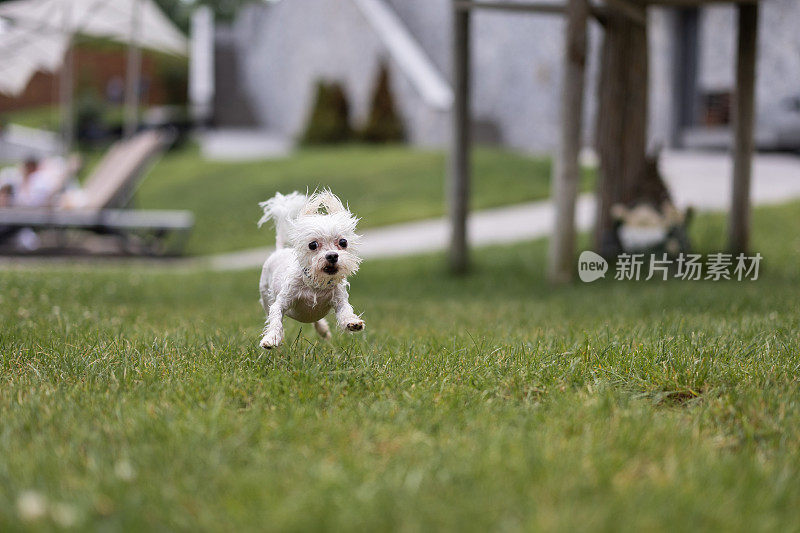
<point x="330" y="269"/>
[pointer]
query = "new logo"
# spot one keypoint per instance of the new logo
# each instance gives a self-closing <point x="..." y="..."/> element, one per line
<point x="591" y="266"/>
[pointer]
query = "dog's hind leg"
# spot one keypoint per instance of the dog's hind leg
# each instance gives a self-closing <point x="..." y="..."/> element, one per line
<point x="323" y="329"/>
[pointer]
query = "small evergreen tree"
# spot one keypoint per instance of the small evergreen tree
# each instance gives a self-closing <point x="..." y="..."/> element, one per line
<point x="330" y="116"/>
<point x="384" y="124"/>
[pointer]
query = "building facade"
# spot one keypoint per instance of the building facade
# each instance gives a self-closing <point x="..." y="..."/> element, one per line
<point x="270" y="59"/>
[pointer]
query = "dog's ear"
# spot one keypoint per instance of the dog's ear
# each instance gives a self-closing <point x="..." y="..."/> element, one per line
<point x="323" y="202"/>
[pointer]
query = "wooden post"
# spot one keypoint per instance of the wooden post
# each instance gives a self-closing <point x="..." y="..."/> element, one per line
<point x="459" y="165"/>
<point x="743" y="119"/>
<point x="621" y="134"/>
<point x="133" y="72"/>
<point x="66" y="85"/>
<point x="566" y="169"/>
<point x="66" y="97"/>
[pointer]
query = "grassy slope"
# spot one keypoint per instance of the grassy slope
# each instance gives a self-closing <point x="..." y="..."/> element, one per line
<point x="487" y="400"/>
<point x="44" y="117"/>
<point x="383" y="185"/>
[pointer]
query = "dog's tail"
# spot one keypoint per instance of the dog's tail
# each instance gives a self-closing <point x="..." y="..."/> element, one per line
<point x="282" y="209"/>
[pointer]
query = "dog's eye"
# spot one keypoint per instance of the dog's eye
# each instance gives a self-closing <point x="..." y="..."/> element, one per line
<point x="343" y="243"/>
<point x="313" y="245"/>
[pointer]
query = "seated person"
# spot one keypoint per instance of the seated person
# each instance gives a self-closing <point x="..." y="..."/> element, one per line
<point x="28" y="192"/>
<point x="34" y="187"/>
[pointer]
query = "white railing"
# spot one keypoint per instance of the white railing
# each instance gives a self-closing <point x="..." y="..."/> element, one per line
<point x="407" y="53"/>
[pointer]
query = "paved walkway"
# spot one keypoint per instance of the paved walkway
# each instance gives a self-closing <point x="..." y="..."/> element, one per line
<point x="242" y="145"/>
<point x="492" y="226"/>
<point x="701" y="180"/>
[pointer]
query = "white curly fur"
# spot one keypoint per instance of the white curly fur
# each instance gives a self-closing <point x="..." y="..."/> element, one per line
<point x="302" y="283"/>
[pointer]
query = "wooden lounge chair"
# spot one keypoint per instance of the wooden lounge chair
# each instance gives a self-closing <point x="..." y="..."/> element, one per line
<point x="98" y="206"/>
<point x="116" y="177"/>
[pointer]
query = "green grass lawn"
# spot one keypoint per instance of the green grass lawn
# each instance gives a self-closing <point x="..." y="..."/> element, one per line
<point x="383" y="185"/>
<point x="137" y="399"/>
<point x="43" y="117"/>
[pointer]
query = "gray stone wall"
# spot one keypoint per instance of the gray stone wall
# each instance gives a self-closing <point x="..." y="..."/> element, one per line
<point x="516" y="62"/>
<point x="778" y="67"/>
<point x="288" y="45"/>
<point x="517" y="69"/>
<point x="778" y="59"/>
<point x="717" y="48"/>
<point x="662" y="53"/>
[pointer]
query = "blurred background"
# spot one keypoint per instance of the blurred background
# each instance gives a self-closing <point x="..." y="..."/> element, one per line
<point x="155" y="126"/>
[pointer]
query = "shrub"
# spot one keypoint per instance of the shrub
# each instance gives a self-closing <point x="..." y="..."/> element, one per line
<point x="174" y="74"/>
<point x="90" y="111"/>
<point x="384" y="124"/>
<point x="330" y="116"/>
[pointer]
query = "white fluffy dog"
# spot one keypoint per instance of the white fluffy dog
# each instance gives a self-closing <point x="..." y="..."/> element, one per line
<point x="306" y="276"/>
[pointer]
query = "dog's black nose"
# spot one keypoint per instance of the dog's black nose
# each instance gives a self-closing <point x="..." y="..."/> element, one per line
<point x="331" y="257"/>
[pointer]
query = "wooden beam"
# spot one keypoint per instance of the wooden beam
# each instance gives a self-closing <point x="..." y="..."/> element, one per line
<point x="630" y="10"/>
<point x="542" y="8"/>
<point x="628" y="7"/>
<point x="743" y="119"/>
<point x="566" y="173"/>
<point x="692" y="3"/>
<point x="459" y="163"/>
<point x="534" y="8"/>
<point x="528" y="7"/>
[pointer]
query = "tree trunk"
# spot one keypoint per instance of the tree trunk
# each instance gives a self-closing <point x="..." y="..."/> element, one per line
<point x="743" y="119"/>
<point x="566" y="170"/>
<point x="621" y="134"/>
<point x="459" y="163"/>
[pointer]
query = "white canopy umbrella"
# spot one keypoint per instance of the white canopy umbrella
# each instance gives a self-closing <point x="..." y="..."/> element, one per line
<point x="102" y="18"/>
<point x="37" y="35"/>
<point x="44" y="52"/>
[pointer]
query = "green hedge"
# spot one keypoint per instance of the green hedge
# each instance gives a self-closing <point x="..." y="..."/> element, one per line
<point x="384" y="123"/>
<point x="329" y="121"/>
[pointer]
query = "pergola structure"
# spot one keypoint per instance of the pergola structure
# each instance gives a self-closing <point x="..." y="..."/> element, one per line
<point x="621" y="123"/>
<point x="40" y="35"/>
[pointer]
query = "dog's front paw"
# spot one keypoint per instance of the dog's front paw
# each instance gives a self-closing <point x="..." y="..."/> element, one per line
<point x="271" y="339"/>
<point x="355" y="325"/>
